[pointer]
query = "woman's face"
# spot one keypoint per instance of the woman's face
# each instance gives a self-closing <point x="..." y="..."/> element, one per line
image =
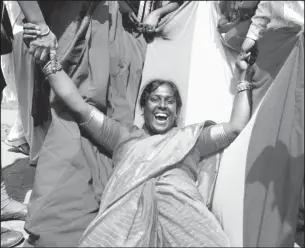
<point x="160" y="110"/>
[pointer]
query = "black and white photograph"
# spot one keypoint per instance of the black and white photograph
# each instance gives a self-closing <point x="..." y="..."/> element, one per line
<point x="152" y="123"/>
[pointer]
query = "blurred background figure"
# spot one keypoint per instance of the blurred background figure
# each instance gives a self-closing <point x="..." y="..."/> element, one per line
<point x="16" y="137"/>
<point x="10" y="208"/>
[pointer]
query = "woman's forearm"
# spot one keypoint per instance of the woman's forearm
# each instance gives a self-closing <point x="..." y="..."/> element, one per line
<point x="66" y="90"/>
<point x="242" y="107"/>
<point x="33" y="13"/>
<point x="241" y="112"/>
<point x="170" y="7"/>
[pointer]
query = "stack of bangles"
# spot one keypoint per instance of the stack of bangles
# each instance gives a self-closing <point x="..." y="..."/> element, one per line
<point x="244" y="85"/>
<point x="49" y="68"/>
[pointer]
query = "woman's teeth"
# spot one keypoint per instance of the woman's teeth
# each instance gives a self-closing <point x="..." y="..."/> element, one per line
<point x="161" y="117"/>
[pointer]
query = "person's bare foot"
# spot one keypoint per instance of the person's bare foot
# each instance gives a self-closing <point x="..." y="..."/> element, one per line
<point x="14" y="211"/>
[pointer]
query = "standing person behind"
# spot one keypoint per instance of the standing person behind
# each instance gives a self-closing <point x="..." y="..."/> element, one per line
<point x="10" y="208"/>
<point x="105" y="63"/>
<point x="235" y="20"/>
<point x="16" y="137"/>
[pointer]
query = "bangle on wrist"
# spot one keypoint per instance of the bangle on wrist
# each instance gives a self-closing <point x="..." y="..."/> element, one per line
<point x="45" y="33"/>
<point x="244" y="85"/>
<point x="49" y="69"/>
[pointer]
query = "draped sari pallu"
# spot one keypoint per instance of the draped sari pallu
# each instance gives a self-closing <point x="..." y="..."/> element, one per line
<point x="130" y="212"/>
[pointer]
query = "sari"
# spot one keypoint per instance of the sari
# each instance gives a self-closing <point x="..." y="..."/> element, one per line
<point x="151" y="199"/>
<point x="105" y="62"/>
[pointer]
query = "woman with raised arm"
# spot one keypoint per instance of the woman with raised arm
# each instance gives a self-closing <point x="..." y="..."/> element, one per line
<point x="151" y="198"/>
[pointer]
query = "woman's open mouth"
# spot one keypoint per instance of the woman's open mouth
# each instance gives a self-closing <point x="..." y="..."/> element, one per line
<point x="161" y="117"/>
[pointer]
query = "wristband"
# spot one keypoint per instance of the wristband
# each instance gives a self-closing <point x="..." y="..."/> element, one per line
<point x="244" y="85"/>
<point x="48" y="69"/>
<point x="46" y="33"/>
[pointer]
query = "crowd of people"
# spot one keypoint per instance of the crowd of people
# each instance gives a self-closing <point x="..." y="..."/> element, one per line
<point x="124" y="155"/>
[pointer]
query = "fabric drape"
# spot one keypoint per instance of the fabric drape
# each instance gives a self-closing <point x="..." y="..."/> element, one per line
<point x="105" y="62"/>
<point x="147" y="203"/>
<point x="208" y="85"/>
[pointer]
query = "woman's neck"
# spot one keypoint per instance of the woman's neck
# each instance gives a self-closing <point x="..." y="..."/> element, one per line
<point x="144" y="127"/>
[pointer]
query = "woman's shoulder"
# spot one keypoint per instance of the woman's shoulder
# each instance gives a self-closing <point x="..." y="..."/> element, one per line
<point x="131" y="133"/>
<point x="204" y="124"/>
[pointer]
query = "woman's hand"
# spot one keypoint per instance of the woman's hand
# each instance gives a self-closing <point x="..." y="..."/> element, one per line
<point x="245" y="62"/>
<point x="249" y="57"/>
<point x="31" y="31"/>
<point x="242" y="61"/>
<point x="41" y="47"/>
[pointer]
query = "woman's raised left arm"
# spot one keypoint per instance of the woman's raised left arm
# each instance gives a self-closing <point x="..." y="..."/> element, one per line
<point x="102" y="130"/>
<point x="219" y="136"/>
<point x="66" y="90"/>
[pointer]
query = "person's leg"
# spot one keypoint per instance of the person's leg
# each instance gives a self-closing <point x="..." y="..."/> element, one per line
<point x="16" y="137"/>
<point x="63" y="202"/>
<point x="10" y="208"/>
<point x="9" y="238"/>
<point x="25" y="76"/>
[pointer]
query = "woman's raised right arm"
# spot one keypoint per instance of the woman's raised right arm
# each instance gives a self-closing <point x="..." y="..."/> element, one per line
<point x="66" y="90"/>
<point x="102" y="130"/>
<point x="219" y="136"/>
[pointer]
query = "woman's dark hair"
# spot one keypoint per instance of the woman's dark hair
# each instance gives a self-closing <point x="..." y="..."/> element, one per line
<point x="154" y="84"/>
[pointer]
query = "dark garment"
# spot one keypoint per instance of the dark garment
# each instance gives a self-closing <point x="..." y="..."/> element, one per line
<point x="6" y="42"/>
<point x="2" y="84"/>
<point x="105" y="62"/>
<point x="6" y="31"/>
<point x="73" y="30"/>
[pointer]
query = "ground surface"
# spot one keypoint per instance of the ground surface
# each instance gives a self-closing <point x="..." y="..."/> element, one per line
<point x="18" y="175"/>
